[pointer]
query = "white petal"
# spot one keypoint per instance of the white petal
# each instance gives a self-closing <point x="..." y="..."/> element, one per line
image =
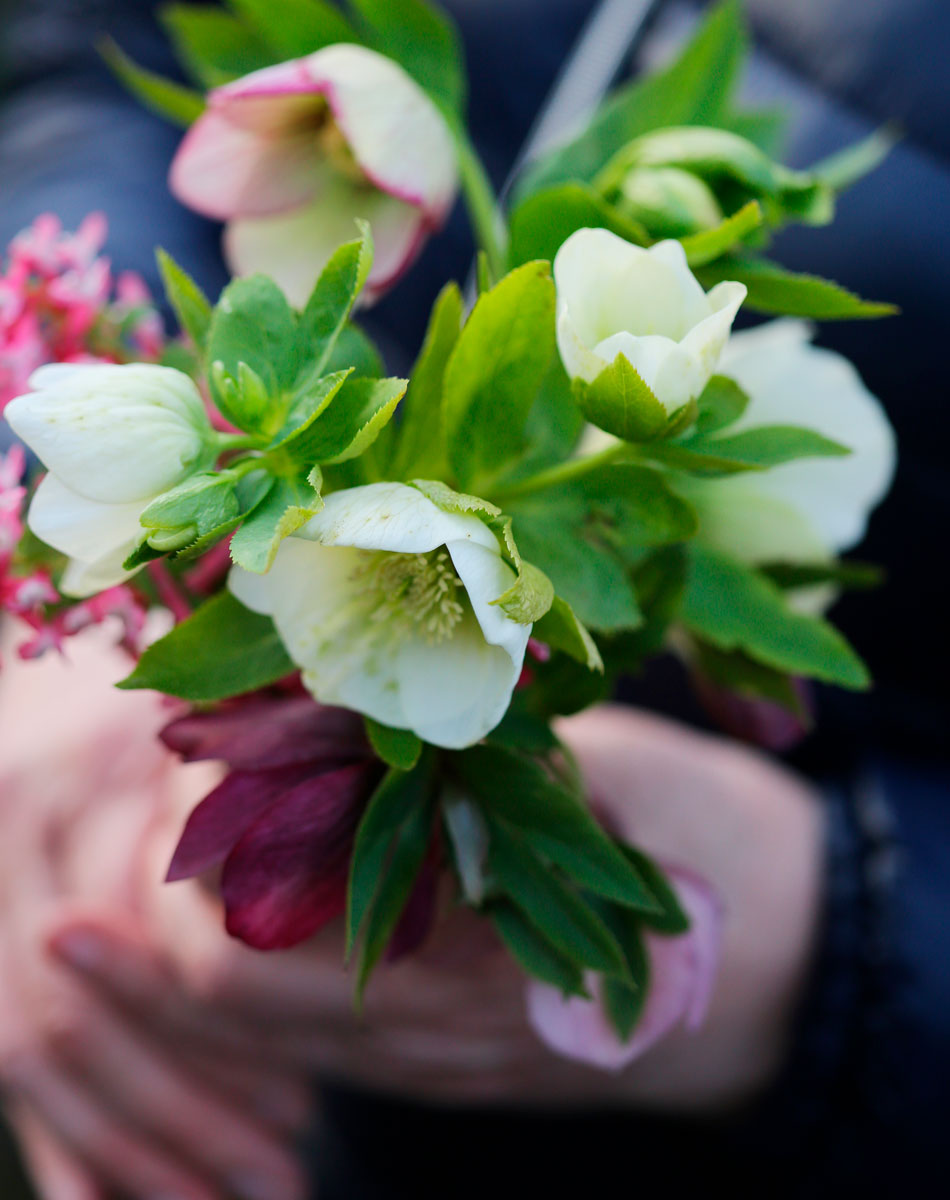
<point x="706" y="340"/>
<point x="113" y="433"/>
<point x="294" y="247"/>
<point x="396" y="133"/>
<point x="790" y="382"/>
<point x="99" y="537"/>
<point x="485" y="577"/>
<point x="391" y="516"/>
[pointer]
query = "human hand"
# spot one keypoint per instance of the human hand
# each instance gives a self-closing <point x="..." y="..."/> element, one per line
<point x="449" y="1023"/>
<point x="102" y="1096"/>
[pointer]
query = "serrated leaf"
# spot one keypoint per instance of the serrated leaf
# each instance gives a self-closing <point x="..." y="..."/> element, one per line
<point x="351" y="421"/>
<point x="190" y="304"/>
<point x="294" y="28"/>
<point x="768" y="445"/>
<point x="252" y="324"/>
<point x="495" y="372"/>
<point x="214" y="46"/>
<point x="735" y="607"/>
<point x="517" y="791"/>
<point x="772" y="289"/>
<point x="287" y="507"/>
<point x="327" y="311"/>
<point x="694" y="90"/>
<point x="532" y="593"/>
<point x="177" y="103"/>
<point x="542" y="223"/>
<point x="720" y="403"/>
<point x="223" y="649"/>
<point x="670" y="919"/>
<point x="450" y="501"/>
<point x="560" y="629"/>
<point x="852" y="575"/>
<point x="420" y="447"/>
<point x="422" y="39"/>
<point x="557" y="912"/>
<point x="306" y="405"/>
<point x="634" y="505"/>
<point x="713" y="243"/>
<point x="398" y="748"/>
<point x="844" y="168"/>
<point x="205" y="501"/>
<point x="399" y="795"/>
<point x="354" y="348"/>
<point x="534" y="953"/>
<point x="619" y="402"/>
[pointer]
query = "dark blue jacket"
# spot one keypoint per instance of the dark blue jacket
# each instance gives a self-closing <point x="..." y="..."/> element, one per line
<point x="863" y="1106"/>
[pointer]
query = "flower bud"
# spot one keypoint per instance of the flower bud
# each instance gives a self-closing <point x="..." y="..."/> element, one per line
<point x="669" y="202"/>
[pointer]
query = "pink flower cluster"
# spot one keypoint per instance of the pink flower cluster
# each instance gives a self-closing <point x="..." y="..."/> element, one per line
<point x="59" y="302"/>
<point x="32" y="597"/>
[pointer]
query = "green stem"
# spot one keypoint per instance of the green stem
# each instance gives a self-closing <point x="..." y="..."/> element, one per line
<point x="575" y="468"/>
<point x="483" y="209"/>
<point x="236" y="441"/>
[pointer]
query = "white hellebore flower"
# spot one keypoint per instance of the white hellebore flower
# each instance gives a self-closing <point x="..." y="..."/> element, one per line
<point x="811" y="508"/>
<point x="616" y="298"/>
<point x="112" y="439"/>
<point x="289" y="155"/>
<point x="385" y="601"/>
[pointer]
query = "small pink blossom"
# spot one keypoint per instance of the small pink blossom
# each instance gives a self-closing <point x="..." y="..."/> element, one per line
<point x="291" y="154"/>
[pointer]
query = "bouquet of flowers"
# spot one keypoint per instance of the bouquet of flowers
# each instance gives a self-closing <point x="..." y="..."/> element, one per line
<point x="387" y="590"/>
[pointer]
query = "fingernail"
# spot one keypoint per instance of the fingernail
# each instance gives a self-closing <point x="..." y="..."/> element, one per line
<point x="83" y="950"/>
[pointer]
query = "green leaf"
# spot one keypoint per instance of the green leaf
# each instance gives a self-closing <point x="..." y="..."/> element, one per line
<point x="858" y="576"/>
<point x="399" y="795"/>
<point x="252" y="324"/>
<point x="350" y="423"/>
<point x="205" y="503"/>
<point x="634" y="506"/>
<point x="495" y="371"/>
<point x="287" y="507"/>
<point x="534" y="953"/>
<point x="738" y="673"/>
<point x="560" y="629"/>
<point x="623" y="1005"/>
<point x="768" y="445"/>
<point x="720" y="403"/>
<point x="398" y="748"/>
<point x="619" y="402"/>
<point x="737" y="608"/>
<point x="189" y="302"/>
<point x="306" y="405"/>
<point x="543" y="223"/>
<point x="514" y="789"/>
<point x="772" y="289"/>
<point x="450" y="501"/>
<point x="532" y="593"/>
<point x="847" y="166"/>
<point x="670" y="919"/>
<point x="423" y="41"/>
<point x="223" y="649"/>
<point x="712" y="243"/>
<point x="558" y="913"/>
<point x="169" y="99"/>
<point x="214" y="46"/>
<point x="294" y="28"/>
<point x="327" y="311"/>
<point x="693" y="90"/>
<point x="355" y="349"/>
<point x="623" y="1001"/>
<point x="405" y="858"/>
<point x="420" y="447"/>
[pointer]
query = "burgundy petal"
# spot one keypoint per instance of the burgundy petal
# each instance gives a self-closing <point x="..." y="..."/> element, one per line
<point x="225" y="815"/>
<point x="760" y="722"/>
<point x="418" y="916"/>
<point x="286" y="877"/>
<point x="268" y="731"/>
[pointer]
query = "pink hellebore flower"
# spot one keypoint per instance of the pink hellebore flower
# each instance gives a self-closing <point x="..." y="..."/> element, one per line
<point x="682" y="970"/>
<point x="290" y="155"/>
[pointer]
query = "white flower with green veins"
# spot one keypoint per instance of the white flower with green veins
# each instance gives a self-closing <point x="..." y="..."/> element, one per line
<point x="113" y="438"/>
<point x="386" y="602"/>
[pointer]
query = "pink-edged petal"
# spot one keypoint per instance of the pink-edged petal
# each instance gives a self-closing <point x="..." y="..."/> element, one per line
<point x="286" y="877"/>
<point x="222" y="818"/>
<point x="395" y="132"/>
<point x="682" y="969"/>
<point x="266" y="731"/>
<point x="227" y="169"/>
<point x="294" y="247"/>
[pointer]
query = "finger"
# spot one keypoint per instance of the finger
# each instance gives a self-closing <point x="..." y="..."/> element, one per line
<point x="163" y="1102"/>
<point x="280" y="1100"/>
<point x="122" y="1158"/>
<point x="56" y="1174"/>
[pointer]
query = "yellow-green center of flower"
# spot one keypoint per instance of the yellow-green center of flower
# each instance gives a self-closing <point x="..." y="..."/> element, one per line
<point x="413" y="591"/>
